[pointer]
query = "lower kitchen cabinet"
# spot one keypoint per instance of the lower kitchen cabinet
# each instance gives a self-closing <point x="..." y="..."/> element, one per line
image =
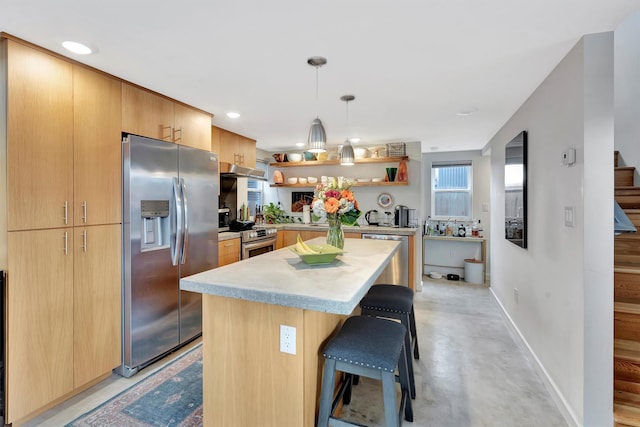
<point x="97" y="302"/>
<point x="39" y="313"/>
<point x="228" y="251"/>
<point x="63" y="313"/>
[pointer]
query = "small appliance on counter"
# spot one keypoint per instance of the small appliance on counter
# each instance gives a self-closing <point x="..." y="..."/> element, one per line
<point x="401" y="217"/>
<point x="372" y="217"/>
<point x="223" y="219"/>
<point x="237" y="225"/>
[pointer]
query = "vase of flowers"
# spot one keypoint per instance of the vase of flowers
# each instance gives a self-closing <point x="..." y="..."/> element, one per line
<point x="336" y="203"/>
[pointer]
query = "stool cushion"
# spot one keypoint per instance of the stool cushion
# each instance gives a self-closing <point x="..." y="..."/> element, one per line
<point x="391" y="298"/>
<point x="368" y="341"/>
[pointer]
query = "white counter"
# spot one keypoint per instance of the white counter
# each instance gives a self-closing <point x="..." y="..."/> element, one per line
<point x="281" y="278"/>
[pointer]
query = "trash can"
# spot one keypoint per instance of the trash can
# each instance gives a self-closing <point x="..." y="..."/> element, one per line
<point x="473" y="271"/>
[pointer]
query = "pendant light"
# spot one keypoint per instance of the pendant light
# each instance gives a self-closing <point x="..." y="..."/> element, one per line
<point x="317" y="142"/>
<point x="346" y="154"/>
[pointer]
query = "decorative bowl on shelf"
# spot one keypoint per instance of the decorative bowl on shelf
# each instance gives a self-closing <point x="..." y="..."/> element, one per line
<point x="364" y="179"/>
<point x="294" y="157"/>
<point x="376" y="179"/>
<point x="280" y="157"/>
<point x="308" y="155"/>
<point x="312" y="180"/>
<point x="361" y="153"/>
<point x="302" y="180"/>
<point x="326" y="254"/>
<point x="293" y="180"/>
<point x="322" y="156"/>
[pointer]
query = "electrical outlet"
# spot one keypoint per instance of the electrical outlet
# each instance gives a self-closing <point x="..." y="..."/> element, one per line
<point x="516" y="295"/>
<point x="287" y="339"/>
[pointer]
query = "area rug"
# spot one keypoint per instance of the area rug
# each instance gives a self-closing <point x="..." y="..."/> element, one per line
<point x="170" y="397"/>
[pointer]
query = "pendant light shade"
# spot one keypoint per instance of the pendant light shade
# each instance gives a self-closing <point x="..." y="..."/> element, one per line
<point x="346" y="153"/>
<point x="317" y="142"/>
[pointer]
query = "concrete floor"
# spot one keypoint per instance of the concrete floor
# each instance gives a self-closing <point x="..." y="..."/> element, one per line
<point x="471" y="372"/>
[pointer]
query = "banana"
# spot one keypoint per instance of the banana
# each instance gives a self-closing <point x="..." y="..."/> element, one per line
<point x="303" y="248"/>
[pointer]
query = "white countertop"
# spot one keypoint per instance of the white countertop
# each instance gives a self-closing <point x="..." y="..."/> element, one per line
<point x="369" y="229"/>
<point x="281" y="278"/>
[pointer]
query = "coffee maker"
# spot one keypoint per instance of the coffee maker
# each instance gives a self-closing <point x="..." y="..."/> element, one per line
<point x="401" y="217"/>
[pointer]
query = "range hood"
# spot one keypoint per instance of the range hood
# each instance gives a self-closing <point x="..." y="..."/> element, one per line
<point x="231" y="170"/>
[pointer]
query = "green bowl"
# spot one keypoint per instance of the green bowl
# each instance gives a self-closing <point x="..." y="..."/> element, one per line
<point x="326" y="254"/>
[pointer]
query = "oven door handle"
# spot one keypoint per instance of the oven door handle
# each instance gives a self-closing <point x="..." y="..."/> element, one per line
<point x="258" y="244"/>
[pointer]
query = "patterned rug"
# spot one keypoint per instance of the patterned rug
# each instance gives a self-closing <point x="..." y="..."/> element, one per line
<point x="170" y="397"/>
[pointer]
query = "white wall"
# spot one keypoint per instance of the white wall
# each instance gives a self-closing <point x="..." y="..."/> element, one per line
<point x="627" y="91"/>
<point x="565" y="277"/>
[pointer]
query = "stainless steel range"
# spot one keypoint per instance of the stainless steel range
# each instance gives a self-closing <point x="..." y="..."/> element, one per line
<point x="257" y="241"/>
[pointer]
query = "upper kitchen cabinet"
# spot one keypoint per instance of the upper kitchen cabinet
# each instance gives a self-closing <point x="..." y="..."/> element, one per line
<point x="148" y="114"/>
<point x="193" y="127"/>
<point x="234" y="148"/>
<point x="39" y="139"/>
<point x="97" y="148"/>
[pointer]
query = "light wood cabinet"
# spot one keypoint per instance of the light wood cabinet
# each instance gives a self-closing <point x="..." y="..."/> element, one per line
<point x="192" y="127"/>
<point x="39" y="341"/>
<point x="234" y="148"/>
<point x="97" y="149"/>
<point x="39" y="139"/>
<point x="97" y="302"/>
<point x="148" y="114"/>
<point x="228" y="251"/>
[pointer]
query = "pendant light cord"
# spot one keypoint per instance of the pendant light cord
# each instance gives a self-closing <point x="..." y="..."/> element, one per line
<point x="317" y="108"/>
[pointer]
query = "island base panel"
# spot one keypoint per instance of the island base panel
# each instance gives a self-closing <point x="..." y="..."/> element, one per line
<point x="246" y="379"/>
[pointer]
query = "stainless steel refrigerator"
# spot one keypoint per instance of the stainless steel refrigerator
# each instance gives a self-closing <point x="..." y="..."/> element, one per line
<point x="170" y="230"/>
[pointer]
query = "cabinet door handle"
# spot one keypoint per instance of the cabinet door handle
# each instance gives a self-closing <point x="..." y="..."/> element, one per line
<point x="179" y="130"/>
<point x="84" y="241"/>
<point x="170" y="129"/>
<point x="66" y="212"/>
<point x="66" y="241"/>
<point x="84" y="211"/>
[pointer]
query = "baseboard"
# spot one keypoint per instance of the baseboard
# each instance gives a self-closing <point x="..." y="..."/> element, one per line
<point x="569" y="416"/>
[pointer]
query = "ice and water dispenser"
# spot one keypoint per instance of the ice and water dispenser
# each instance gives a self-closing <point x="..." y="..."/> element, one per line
<point x="155" y="224"/>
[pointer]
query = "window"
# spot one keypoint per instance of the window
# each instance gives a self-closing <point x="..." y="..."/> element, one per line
<point x="255" y="187"/>
<point x="451" y="190"/>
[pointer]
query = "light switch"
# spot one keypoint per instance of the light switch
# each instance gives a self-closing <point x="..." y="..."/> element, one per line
<point x="569" y="216"/>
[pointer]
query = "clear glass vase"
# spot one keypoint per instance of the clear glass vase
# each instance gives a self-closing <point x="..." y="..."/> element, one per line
<point x="335" y="234"/>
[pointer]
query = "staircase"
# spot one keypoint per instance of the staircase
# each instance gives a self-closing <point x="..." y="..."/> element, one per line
<point x="626" y="352"/>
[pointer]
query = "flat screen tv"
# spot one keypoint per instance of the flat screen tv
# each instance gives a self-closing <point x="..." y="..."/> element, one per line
<point x="515" y="190"/>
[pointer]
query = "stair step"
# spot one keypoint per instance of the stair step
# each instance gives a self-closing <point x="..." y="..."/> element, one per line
<point x="627" y="350"/>
<point x="624" y="176"/>
<point x="633" y="215"/>
<point x="626" y="415"/>
<point x="626" y="284"/>
<point x="628" y="197"/>
<point x="627" y="269"/>
<point x="625" y="307"/>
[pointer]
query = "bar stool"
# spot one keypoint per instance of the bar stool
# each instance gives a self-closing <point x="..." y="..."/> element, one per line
<point x="395" y="302"/>
<point x="372" y="348"/>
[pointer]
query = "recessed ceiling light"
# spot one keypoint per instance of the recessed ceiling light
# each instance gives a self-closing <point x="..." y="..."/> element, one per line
<point x="233" y="115"/>
<point x="77" y="48"/>
<point x="467" y="111"/>
<point x="300" y="144"/>
<point x="354" y="140"/>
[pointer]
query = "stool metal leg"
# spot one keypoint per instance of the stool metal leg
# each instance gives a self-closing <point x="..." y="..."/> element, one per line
<point x="389" y="397"/>
<point x="405" y="380"/>
<point x="326" y="397"/>
<point x="414" y="333"/>
<point x="407" y="346"/>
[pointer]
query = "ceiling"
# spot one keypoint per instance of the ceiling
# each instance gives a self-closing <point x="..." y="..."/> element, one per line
<point x="412" y="65"/>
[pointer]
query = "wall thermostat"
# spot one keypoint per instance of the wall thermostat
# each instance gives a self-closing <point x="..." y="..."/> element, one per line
<point x="569" y="157"/>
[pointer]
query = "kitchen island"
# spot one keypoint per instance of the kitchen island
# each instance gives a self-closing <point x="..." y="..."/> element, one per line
<point x="247" y="379"/>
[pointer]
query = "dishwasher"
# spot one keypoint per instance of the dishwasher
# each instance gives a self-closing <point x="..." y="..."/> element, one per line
<point x="397" y="272"/>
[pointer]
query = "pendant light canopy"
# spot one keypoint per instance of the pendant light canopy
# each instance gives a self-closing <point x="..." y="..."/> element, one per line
<point x="317" y="142"/>
<point x="346" y="154"/>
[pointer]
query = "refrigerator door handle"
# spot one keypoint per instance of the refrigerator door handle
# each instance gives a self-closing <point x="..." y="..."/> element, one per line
<point x="185" y="239"/>
<point x="177" y="247"/>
